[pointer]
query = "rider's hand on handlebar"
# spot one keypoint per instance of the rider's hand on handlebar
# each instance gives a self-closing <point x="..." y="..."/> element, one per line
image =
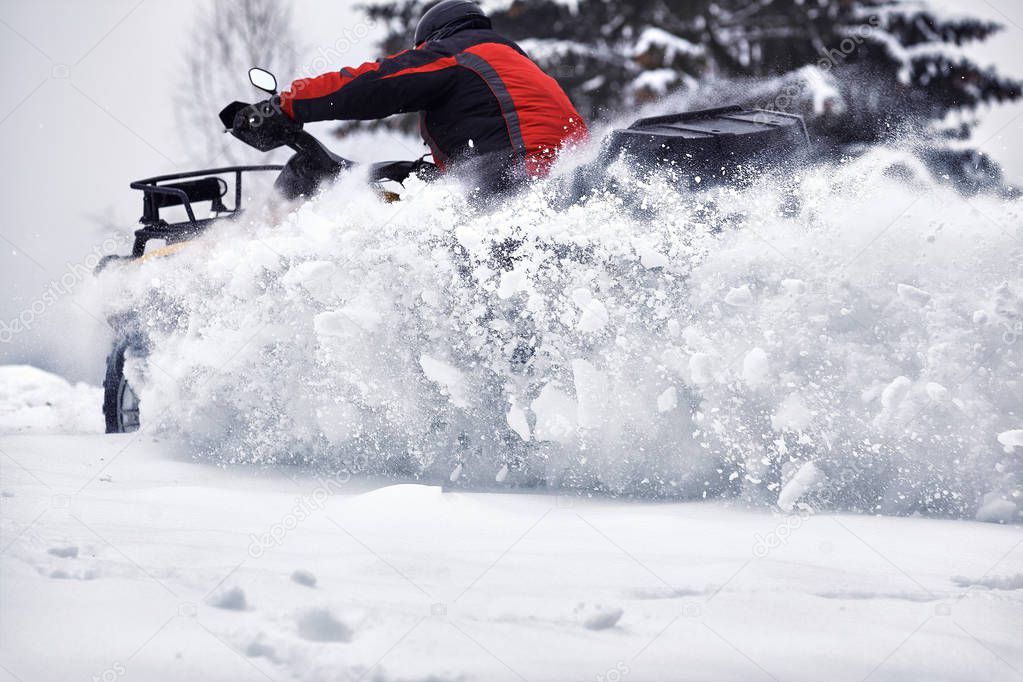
<point x="264" y="125"/>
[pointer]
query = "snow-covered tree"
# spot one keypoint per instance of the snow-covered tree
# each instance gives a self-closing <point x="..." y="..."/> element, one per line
<point x="231" y="36"/>
<point x="859" y="70"/>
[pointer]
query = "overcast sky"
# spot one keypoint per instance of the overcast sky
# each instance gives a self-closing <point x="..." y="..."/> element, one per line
<point x="87" y="109"/>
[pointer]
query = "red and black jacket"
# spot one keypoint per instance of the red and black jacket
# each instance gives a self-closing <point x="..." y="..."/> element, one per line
<point x="478" y="95"/>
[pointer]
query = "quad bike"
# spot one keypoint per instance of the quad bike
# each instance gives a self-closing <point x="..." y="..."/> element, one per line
<point x="711" y="146"/>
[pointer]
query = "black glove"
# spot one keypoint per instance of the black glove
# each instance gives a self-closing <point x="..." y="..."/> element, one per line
<point x="264" y="125"/>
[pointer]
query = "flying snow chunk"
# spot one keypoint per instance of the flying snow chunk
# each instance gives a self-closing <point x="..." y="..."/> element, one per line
<point x="363" y="314"/>
<point x="739" y="297"/>
<point x="793" y="287"/>
<point x="338" y="421"/>
<point x="996" y="509"/>
<point x="581" y="297"/>
<point x="555" y="414"/>
<point x="512" y="283"/>
<point x="350" y="321"/>
<point x="331" y="324"/>
<point x="913" y="296"/>
<point x="806" y="479"/>
<point x="650" y="257"/>
<point x="895" y="392"/>
<point x="937" y="392"/>
<point x="667" y="401"/>
<point x="594" y="315"/>
<point x="1011" y="440"/>
<point x="755" y="368"/>
<point x="430" y="297"/>
<point x="591" y="390"/>
<point x="470" y="237"/>
<point x="791" y="415"/>
<point x="519" y="422"/>
<point x="594" y="318"/>
<point x="701" y="369"/>
<point x="448" y="377"/>
<point x="314" y="277"/>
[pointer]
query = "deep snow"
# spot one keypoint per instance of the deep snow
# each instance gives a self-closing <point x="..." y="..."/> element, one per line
<point x="123" y="558"/>
<point x="692" y="390"/>
<point x="857" y="321"/>
<point x="33" y="400"/>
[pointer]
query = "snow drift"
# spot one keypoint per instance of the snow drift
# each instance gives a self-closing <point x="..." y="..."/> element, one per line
<point x="32" y="400"/>
<point x="852" y="330"/>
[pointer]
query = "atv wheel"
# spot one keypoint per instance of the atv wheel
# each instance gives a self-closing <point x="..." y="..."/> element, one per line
<point x="120" y="403"/>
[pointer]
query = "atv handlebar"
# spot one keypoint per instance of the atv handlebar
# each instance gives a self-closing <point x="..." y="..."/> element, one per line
<point x="265" y="127"/>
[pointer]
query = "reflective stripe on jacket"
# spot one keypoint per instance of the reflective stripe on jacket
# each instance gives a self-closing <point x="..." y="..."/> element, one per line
<point x="478" y="95"/>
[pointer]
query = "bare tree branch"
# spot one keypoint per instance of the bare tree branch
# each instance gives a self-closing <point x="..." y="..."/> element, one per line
<point x="230" y="37"/>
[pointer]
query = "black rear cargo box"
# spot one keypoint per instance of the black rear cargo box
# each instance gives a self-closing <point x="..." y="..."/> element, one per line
<point x="713" y="144"/>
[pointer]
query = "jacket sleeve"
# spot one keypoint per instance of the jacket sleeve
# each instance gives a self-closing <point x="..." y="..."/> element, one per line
<point x="408" y="81"/>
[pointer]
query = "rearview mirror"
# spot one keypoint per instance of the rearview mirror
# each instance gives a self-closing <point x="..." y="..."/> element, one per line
<point x="264" y="80"/>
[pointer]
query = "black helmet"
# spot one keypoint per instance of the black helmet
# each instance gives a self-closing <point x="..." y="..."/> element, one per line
<point x="449" y="17"/>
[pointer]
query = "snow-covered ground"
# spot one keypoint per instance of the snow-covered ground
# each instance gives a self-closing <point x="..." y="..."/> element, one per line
<point x="125" y="559"/>
<point x="754" y="363"/>
<point x="34" y="400"/>
<point x="850" y="340"/>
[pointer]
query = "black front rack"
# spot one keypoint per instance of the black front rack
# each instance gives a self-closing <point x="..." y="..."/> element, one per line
<point x="185" y="189"/>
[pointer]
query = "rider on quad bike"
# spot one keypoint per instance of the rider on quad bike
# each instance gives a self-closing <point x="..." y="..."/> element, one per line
<point x="486" y="110"/>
